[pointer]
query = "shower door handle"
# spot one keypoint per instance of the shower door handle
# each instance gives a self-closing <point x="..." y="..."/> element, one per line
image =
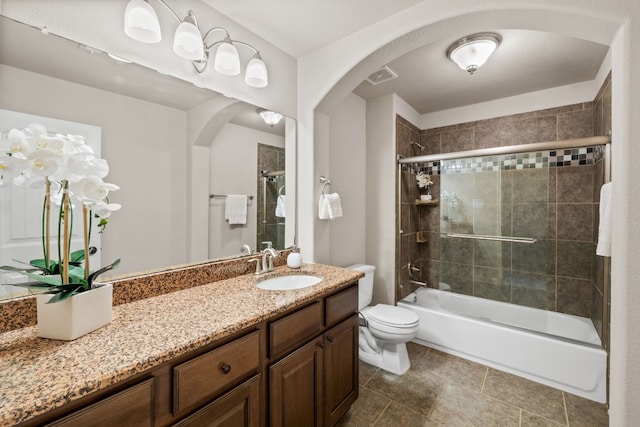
<point x="527" y="240"/>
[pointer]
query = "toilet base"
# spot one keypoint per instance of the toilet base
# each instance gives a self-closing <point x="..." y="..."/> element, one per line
<point x="393" y="358"/>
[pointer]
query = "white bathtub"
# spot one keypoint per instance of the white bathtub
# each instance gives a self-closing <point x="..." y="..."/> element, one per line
<point x="559" y="350"/>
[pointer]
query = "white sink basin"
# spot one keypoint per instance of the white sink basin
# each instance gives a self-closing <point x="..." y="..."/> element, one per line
<point x="287" y="283"/>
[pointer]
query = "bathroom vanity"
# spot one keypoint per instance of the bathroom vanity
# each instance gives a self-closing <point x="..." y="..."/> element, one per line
<point x="224" y="353"/>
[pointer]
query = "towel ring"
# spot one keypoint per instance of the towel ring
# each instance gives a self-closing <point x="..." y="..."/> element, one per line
<point x="326" y="182"/>
<point x="280" y="191"/>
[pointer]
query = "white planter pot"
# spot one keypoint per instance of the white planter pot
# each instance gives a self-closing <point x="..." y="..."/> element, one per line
<point x="75" y="316"/>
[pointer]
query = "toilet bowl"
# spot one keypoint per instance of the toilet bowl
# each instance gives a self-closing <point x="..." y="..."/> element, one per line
<point x="384" y="329"/>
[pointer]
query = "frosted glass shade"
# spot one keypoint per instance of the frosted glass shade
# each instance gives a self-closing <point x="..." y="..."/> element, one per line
<point x="187" y="42"/>
<point x="256" y="74"/>
<point x="227" y="60"/>
<point x="141" y="22"/>
<point x="270" y="117"/>
<point x="472" y="52"/>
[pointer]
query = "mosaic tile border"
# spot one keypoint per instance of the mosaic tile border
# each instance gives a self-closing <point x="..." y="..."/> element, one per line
<point x="532" y="160"/>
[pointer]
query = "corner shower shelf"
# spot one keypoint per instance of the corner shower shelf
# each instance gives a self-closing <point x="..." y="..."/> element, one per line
<point x="433" y="202"/>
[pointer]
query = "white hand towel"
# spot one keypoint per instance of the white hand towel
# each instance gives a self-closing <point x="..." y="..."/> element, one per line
<point x="235" y="209"/>
<point x="604" y="228"/>
<point x="329" y="206"/>
<point x="280" y="212"/>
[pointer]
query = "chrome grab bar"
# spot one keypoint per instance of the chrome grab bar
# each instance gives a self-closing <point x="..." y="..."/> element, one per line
<point x="527" y="240"/>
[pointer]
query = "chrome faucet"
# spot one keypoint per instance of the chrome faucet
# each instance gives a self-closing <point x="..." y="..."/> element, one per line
<point x="268" y="255"/>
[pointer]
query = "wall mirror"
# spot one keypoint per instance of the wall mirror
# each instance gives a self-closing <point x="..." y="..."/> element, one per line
<point x="176" y="151"/>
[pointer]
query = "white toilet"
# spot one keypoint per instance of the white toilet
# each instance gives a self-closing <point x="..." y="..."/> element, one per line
<point x="384" y="329"/>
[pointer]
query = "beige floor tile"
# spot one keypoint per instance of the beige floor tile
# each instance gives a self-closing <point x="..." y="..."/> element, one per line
<point x="537" y="398"/>
<point x="586" y="413"/>
<point x="532" y="420"/>
<point x="416" y="393"/>
<point x="397" y="415"/>
<point x="366" y="410"/>
<point x="366" y="372"/>
<point x="444" y="390"/>
<point x="448" y="368"/>
<point x="460" y="406"/>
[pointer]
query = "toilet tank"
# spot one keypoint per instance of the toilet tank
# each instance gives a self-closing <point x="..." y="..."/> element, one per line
<point x="365" y="284"/>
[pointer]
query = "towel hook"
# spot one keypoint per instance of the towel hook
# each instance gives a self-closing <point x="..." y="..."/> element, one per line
<point x="326" y="183"/>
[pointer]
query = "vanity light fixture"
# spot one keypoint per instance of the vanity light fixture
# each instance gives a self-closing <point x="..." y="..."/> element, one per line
<point x="270" y="117"/>
<point x="471" y="52"/>
<point x="141" y="23"/>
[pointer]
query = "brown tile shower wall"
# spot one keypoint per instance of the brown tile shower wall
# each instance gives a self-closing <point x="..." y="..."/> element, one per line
<point x="269" y="226"/>
<point x="567" y="276"/>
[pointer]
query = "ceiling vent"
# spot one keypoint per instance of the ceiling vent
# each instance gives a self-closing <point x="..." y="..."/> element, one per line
<point x="382" y="75"/>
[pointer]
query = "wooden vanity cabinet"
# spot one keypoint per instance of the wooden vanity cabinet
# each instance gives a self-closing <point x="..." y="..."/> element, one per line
<point x="316" y="384"/>
<point x="299" y="369"/>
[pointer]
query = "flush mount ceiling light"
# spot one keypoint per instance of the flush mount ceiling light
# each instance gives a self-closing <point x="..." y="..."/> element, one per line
<point x="141" y="23"/>
<point x="471" y="52"/>
<point x="270" y="117"/>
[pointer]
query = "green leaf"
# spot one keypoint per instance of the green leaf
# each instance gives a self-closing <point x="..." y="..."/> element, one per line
<point x="50" y="280"/>
<point x="17" y="269"/>
<point x="77" y="256"/>
<point x="95" y="274"/>
<point x="61" y="296"/>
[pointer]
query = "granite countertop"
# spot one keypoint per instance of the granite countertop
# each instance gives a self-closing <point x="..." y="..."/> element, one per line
<point x="41" y="374"/>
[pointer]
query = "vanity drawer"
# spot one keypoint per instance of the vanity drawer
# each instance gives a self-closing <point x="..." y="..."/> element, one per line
<point x="341" y="305"/>
<point x="203" y="377"/>
<point x="292" y="330"/>
<point x="132" y="407"/>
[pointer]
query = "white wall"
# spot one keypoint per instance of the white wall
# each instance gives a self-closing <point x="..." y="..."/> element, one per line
<point x="347" y="171"/>
<point x="145" y="145"/>
<point x="381" y="189"/>
<point x="234" y="159"/>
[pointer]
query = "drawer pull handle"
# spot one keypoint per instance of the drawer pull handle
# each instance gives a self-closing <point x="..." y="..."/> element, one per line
<point x="225" y="368"/>
<point x="330" y="338"/>
<point x="319" y="344"/>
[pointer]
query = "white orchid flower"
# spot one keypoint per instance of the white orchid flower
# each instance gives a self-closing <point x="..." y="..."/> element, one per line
<point x="86" y="164"/>
<point x="42" y="163"/>
<point x="11" y="166"/>
<point x="423" y="180"/>
<point x="92" y="190"/>
<point x="75" y="144"/>
<point x="40" y="140"/>
<point x="16" y="144"/>
<point x="104" y="210"/>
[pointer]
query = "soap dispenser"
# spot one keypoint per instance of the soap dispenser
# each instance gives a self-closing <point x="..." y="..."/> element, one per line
<point x="294" y="260"/>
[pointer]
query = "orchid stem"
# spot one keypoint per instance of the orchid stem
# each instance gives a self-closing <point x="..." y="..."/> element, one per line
<point x="47" y="225"/>
<point x="85" y="223"/>
<point x="65" y="233"/>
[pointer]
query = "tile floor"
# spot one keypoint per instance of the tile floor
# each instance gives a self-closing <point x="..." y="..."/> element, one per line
<point x="444" y="390"/>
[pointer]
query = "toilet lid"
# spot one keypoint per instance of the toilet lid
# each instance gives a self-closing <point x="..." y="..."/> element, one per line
<point x="391" y="315"/>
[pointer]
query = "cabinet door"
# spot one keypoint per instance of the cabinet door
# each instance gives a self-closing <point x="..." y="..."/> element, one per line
<point x="238" y="408"/>
<point x="295" y="388"/>
<point x="340" y="369"/>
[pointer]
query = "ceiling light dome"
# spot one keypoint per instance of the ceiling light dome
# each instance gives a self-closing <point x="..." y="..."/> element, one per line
<point x="471" y="52"/>
<point x="270" y="117"/>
